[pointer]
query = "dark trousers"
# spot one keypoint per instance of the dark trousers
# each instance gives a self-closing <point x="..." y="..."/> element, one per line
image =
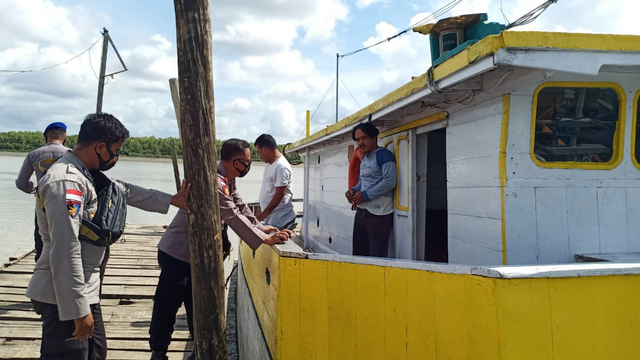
<point x="37" y="240"/>
<point x="57" y="339"/>
<point x="174" y="289"/>
<point x="371" y="234"/>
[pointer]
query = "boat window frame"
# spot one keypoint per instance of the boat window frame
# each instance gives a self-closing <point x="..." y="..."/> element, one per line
<point x="618" y="137"/>
<point x="634" y="127"/>
<point x="397" y="192"/>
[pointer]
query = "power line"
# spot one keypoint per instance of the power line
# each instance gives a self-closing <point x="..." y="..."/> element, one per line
<point x="438" y="13"/>
<point x="15" y="72"/>
<point x="91" y="63"/>
<point x="529" y="17"/>
<point x="325" y="95"/>
<point x="503" y="15"/>
<point x="349" y="91"/>
<point x="318" y="107"/>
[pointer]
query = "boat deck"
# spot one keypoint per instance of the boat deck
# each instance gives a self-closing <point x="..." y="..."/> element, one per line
<point x="127" y="302"/>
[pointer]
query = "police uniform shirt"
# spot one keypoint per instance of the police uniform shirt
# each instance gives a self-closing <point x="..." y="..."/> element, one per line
<point x="38" y="161"/>
<point x="68" y="272"/>
<point x="233" y="211"/>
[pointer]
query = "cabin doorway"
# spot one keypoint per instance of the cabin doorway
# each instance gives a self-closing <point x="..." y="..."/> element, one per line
<point x="431" y="180"/>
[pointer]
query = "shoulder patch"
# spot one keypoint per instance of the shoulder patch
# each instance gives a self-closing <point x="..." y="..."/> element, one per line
<point x="74" y="202"/>
<point x="225" y="186"/>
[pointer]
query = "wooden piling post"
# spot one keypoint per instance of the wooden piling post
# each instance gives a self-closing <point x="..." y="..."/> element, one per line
<point x="176" y="168"/>
<point x="197" y="127"/>
<point x="175" y="97"/>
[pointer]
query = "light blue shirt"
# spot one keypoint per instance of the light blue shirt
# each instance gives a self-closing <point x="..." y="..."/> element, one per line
<point x="377" y="181"/>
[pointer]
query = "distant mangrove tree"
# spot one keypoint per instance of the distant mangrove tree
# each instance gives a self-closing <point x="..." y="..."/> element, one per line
<point x="152" y="147"/>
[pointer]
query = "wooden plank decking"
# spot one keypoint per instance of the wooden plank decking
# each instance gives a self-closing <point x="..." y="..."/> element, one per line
<point x="129" y="285"/>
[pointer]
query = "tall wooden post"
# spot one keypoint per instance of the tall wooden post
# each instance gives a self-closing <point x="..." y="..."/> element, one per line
<point x="103" y="68"/>
<point x="176" y="168"/>
<point x="197" y="125"/>
<point x="175" y="97"/>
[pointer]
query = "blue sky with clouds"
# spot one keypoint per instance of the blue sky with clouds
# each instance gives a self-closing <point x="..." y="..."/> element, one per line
<point x="273" y="59"/>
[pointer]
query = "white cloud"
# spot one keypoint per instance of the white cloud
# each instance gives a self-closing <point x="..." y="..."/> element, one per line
<point x="365" y="3"/>
<point x="317" y="18"/>
<point x="402" y="58"/>
<point x="272" y="59"/>
<point x="43" y="22"/>
<point x="256" y="35"/>
<point x="283" y="119"/>
<point x="276" y="67"/>
<point x="239" y="105"/>
<point x="320" y="25"/>
<point x="68" y="92"/>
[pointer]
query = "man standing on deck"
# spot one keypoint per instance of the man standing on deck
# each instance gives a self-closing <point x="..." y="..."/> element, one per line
<point x="276" y="196"/>
<point x="38" y="161"/>
<point x="373" y="194"/>
<point x="174" y="285"/>
<point x="65" y="287"/>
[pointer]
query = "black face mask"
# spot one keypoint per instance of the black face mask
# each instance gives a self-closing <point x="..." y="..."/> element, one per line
<point x="246" y="167"/>
<point x="107" y="164"/>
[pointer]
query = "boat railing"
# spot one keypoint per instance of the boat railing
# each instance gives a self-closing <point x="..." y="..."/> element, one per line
<point x="255" y="206"/>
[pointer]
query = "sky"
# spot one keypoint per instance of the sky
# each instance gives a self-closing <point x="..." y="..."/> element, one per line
<point x="273" y="59"/>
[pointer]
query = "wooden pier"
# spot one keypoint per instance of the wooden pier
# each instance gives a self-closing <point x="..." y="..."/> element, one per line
<point x="127" y="302"/>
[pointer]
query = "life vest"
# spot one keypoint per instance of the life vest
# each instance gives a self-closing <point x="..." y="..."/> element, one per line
<point x="354" y="167"/>
<point x="355" y="158"/>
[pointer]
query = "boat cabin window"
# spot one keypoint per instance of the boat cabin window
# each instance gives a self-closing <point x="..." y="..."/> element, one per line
<point x="576" y="125"/>
<point x="636" y="139"/>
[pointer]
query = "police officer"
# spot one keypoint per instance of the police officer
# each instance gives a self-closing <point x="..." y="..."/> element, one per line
<point x="38" y="161"/>
<point x="174" y="285"/>
<point x="65" y="287"/>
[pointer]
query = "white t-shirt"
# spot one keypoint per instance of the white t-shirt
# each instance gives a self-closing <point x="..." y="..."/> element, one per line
<point x="278" y="174"/>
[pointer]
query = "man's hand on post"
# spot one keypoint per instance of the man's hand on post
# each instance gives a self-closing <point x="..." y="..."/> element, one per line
<point x="84" y="327"/>
<point x="179" y="200"/>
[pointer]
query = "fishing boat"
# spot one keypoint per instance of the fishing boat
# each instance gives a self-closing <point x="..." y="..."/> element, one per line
<point x="515" y="226"/>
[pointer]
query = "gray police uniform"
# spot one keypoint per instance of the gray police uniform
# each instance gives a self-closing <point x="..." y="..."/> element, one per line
<point x="174" y="286"/>
<point x="67" y="275"/>
<point x="233" y="212"/>
<point x="38" y="161"/>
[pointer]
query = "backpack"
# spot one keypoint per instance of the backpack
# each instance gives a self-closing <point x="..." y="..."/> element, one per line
<point x="108" y="223"/>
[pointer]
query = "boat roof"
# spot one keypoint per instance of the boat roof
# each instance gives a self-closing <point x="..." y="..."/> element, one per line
<point x="490" y="45"/>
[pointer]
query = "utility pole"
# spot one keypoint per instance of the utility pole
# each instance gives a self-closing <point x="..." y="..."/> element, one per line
<point x="106" y="40"/>
<point x="337" y="69"/>
<point x="197" y="125"/>
<point x="103" y="68"/>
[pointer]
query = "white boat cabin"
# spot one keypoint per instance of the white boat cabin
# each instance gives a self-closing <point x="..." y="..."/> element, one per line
<point x="514" y="148"/>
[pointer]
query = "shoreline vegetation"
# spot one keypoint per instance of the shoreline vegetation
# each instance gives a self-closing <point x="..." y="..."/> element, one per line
<point x="134" y="149"/>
